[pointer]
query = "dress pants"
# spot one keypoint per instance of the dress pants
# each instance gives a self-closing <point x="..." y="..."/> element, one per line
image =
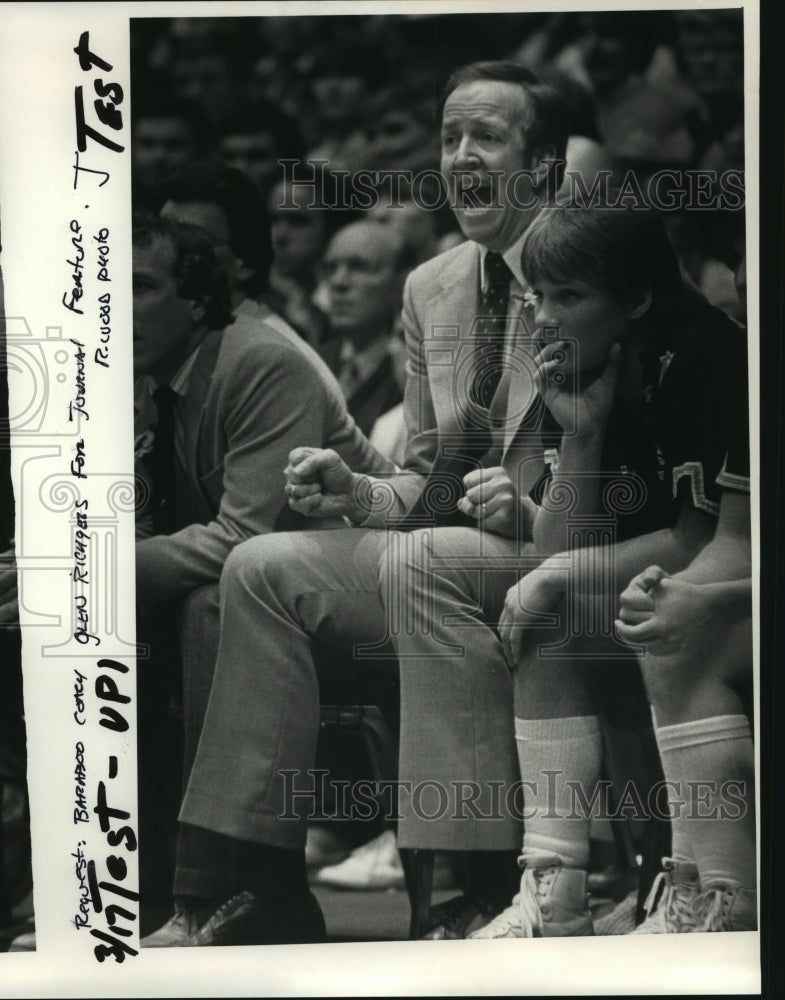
<point x="432" y="596"/>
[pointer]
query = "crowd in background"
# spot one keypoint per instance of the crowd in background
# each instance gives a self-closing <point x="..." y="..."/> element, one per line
<point x="647" y="91"/>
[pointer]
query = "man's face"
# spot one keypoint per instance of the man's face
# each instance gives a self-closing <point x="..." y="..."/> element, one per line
<point x="395" y="137"/>
<point x="712" y="58"/>
<point x="211" y="219"/>
<point x="414" y="223"/>
<point x="160" y="146"/>
<point x="605" y="59"/>
<point x="363" y="285"/>
<point x="482" y="131"/>
<point x="253" y="153"/>
<point x="164" y="323"/>
<point x="297" y="234"/>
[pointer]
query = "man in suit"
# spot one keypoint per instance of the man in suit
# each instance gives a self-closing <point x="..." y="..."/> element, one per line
<point x="364" y="268"/>
<point x="228" y="399"/>
<point x="226" y="206"/>
<point x="248" y="391"/>
<point x="290" y="596"/>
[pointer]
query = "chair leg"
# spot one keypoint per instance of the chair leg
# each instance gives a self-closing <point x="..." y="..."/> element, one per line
<point x="418" y="873"/>
<point x="656" y="845"/>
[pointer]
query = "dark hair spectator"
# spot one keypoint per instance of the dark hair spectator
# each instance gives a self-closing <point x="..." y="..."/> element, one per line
<point x="255" y="135"/>
<point x="167" y="132"/>
<point x="215" y="182"/>
<point x="400" y="126"/>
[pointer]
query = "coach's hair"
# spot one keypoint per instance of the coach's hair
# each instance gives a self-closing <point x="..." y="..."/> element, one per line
<point x="197" y="274"/>
<point x="218" y="184"/>
<point x="548" y="123"/>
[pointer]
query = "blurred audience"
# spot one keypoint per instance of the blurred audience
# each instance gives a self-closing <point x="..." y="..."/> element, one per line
<point x="255" y="135"/>
<point x="364" y="269"/>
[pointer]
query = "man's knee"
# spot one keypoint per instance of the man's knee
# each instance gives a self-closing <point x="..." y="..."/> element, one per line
<point x="400" y="559"/>
<point x="258" y="563"/>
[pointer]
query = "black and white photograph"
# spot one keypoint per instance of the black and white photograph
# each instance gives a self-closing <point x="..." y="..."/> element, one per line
<point x="16" y="877"/>
<point x="388" y="539"/>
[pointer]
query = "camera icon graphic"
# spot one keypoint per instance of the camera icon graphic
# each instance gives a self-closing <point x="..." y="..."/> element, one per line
<point x="40" y="383"/>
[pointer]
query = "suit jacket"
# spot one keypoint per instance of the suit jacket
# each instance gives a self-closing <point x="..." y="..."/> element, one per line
<point x="440" y="307"/>
<point x="256" y="391"/>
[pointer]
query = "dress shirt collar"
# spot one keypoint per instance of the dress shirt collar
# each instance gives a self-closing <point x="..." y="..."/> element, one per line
<point x="512" y="258"/>
<point x="367" y="360"/>
<point x="182" y="377"/>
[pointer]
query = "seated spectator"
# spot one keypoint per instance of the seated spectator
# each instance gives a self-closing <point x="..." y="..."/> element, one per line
<point x="167" y="132"/>
<point x="710" y="55"/>
<point x="644" y="124"/>
<point x="418" y="225"/>
<point x="399" y="128"/>
<point x="228" y="402"/>
<point x="623" y="301"/>
<point x="211" y="59"/>
<point x="338" y="90"/>
<point x="299" y="233"/>
<point x="364" y="268"/>
<point x="255" y="136"/>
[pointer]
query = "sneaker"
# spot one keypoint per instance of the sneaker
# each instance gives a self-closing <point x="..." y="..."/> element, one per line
<point x="668" y="906"/>
<point x="552" y="902"/>
<point x="175" y="932"/>
<point x="455" y="919"/>
<point x="245" y="919"/>
<point x="375" y="865"/>
<point x="725" y="908"/>
<point x="620" y="919"/>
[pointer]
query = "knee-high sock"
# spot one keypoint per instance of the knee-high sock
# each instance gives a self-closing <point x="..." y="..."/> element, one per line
<point x="552" y="752"/>
<point x="713" y="763"/>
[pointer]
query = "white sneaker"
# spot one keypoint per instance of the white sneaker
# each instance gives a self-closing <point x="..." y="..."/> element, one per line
<point x="669" y="908"/>
<point x="375" y="865"/>
<point x="552" y="902"/>
<point x="725" y="908"/>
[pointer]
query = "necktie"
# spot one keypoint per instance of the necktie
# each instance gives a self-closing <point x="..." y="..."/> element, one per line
<point x="349" y="378"/>
<point x="444" y="487"/>
<point x="490" y="329"/>
<point x="163" y="459"/>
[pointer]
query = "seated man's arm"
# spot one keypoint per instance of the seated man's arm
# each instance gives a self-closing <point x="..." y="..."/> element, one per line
<point x="270" y="409"/>
<point x="328" y="485"/>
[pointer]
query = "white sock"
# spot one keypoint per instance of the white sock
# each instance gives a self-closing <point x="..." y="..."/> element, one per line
<point x="716" y="827"/>
<point x="554" y="823"/>
<point x="680" y="844"/>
